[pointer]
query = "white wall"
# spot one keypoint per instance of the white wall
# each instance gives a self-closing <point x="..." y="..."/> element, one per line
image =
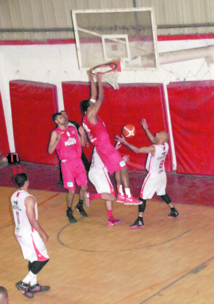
<point x="56" y="63"/>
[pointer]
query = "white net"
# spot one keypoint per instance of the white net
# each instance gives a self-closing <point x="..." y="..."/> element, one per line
<point x="110" y="74"/>
<point x="112" y="79"/>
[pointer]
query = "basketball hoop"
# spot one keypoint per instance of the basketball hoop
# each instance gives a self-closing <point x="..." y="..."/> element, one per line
<point x="109" y="71"/>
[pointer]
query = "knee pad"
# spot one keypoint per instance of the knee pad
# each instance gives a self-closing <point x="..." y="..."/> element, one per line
<point x="142" y="207"/>
<point x="36" y="266"/>
<point x="166" y="198"/>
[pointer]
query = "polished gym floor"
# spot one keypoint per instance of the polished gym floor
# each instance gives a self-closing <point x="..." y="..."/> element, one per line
<point x="168" y="261"/>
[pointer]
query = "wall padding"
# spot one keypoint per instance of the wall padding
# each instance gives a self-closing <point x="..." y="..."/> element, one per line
<point x="4" y="146"/>
<point x="192" y="107"/>
<point x="33" y="104"/>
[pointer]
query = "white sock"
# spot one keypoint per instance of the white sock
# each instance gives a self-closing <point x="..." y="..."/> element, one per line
<point x="128" y="193"/>
<point x="33" y="281"/>
<point x="120" y="189"/>
<point x="29" y="277"/>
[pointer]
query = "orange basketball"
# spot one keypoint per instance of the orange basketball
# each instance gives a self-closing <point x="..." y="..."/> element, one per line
<point x="129" y="130"/>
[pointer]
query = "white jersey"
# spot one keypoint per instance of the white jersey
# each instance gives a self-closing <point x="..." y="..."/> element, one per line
<point x="96" y="161"/>
<point x="155" y="164"/>
<point x="22" y="224"/>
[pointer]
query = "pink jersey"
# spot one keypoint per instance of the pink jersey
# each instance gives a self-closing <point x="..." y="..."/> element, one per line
<point x="155" y="164"/>
<point x="99" y="137"/>
<point x="97" y="133"/>
<point x="69" y="146"/>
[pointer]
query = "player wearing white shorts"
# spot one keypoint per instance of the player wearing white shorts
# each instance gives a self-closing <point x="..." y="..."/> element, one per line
<point x="155" y="180"/>
<point x="99" y="177"/>
<point x="27" y="232"/>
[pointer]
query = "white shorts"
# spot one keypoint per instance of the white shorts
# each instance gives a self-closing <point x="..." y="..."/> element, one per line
<point x="153" y="183"/>
<point x="101" y="180"/>
<point x="33" y="247"/>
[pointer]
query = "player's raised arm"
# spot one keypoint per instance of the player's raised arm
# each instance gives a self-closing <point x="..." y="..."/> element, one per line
<point x="95" y="104"/>
<point x="54" y="140"/>
<point x="148" y="133"/>
<point x="122" y="140"/>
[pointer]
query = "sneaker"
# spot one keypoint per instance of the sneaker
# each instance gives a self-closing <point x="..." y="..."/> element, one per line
<point x="70" y="216"/>
<point x="137" y="224"/>
<point x="120" y="198"/>
<point x="39" y="288"/>
<point x="87" y="199"/>
<point x="59" y="184"/>
<point x="131" y="201"/>
<point x="79" y="207"/>
<point x="173" y="213"/>
<point x="25" y="289"/>
<point x="113" y="221"/>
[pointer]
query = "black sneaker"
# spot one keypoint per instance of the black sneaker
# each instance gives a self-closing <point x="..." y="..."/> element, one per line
<point x="137" y="224"/>
<point x="79" y="207"/>
<point x="70" y="216"/>
<point x="173" y="213"/>
<point x="25" y="289"/>
<point x="39" y="288"/>
<point x="59" y="184"/>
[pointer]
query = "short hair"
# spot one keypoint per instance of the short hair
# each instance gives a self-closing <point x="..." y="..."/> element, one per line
<point x="54" y="116"/>
<point x="62" y="111"/>
<point x="84" y="104"/>
<point x="3" y="294"/>
<point x="20" y="179"/>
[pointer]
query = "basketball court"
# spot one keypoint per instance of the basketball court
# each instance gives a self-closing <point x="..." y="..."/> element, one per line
<point x="169" y="260"/>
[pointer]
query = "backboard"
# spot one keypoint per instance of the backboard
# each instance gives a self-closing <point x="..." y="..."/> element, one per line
<point x="128" y="35"/>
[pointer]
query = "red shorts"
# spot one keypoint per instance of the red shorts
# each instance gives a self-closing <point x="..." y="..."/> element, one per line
<point x="73" y="170"/>
<point x="111" y="158"/>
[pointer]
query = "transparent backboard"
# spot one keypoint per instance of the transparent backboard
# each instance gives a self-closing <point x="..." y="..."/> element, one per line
<point x="128" y="35"/>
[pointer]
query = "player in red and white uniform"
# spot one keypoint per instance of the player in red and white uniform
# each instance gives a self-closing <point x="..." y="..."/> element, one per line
<point x="98" y="136"/>
<point x="27" y="232"/>
<point x="99" y="177"/>
<point x="67" y="143"/>
<point x="155" y="180"/>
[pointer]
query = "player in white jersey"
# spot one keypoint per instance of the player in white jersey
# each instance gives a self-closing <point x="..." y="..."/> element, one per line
<point x="27" y="232"/>
<point x="155" y="180"/>
<point x="99" y="177"/>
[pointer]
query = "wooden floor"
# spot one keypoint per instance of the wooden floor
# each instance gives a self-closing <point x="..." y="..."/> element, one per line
<point x="168" y="261"/>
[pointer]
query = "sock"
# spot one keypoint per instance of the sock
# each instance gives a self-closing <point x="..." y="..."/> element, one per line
<point x="109" y="214"/>
<point x="172" y="208"/>
<point x="128" y="193"/>
<point x="80" y="202"/>
<point x="95" y="195"/>
<point x="33" y="281"/>
<point x="29" y="277"/>
<point x="120" y="189"/>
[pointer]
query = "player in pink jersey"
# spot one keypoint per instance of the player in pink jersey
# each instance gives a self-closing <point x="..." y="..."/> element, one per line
<point x="98" y="136"/>
<point x="27" y="232"/>
<point x="67" y="143"/>
<point x="155" y="180"/>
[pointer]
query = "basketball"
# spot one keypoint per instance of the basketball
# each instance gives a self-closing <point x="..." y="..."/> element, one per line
<point x="129" y="130"/>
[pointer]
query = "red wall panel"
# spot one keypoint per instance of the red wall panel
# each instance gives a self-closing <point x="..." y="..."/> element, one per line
<point x="192" y="107"/>
<point x="33" y="104"/>
<point x="129" y="104"/>
<point x="4" y="145"/>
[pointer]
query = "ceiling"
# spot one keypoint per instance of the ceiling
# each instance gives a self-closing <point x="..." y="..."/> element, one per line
<point x="41" y="20"/>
